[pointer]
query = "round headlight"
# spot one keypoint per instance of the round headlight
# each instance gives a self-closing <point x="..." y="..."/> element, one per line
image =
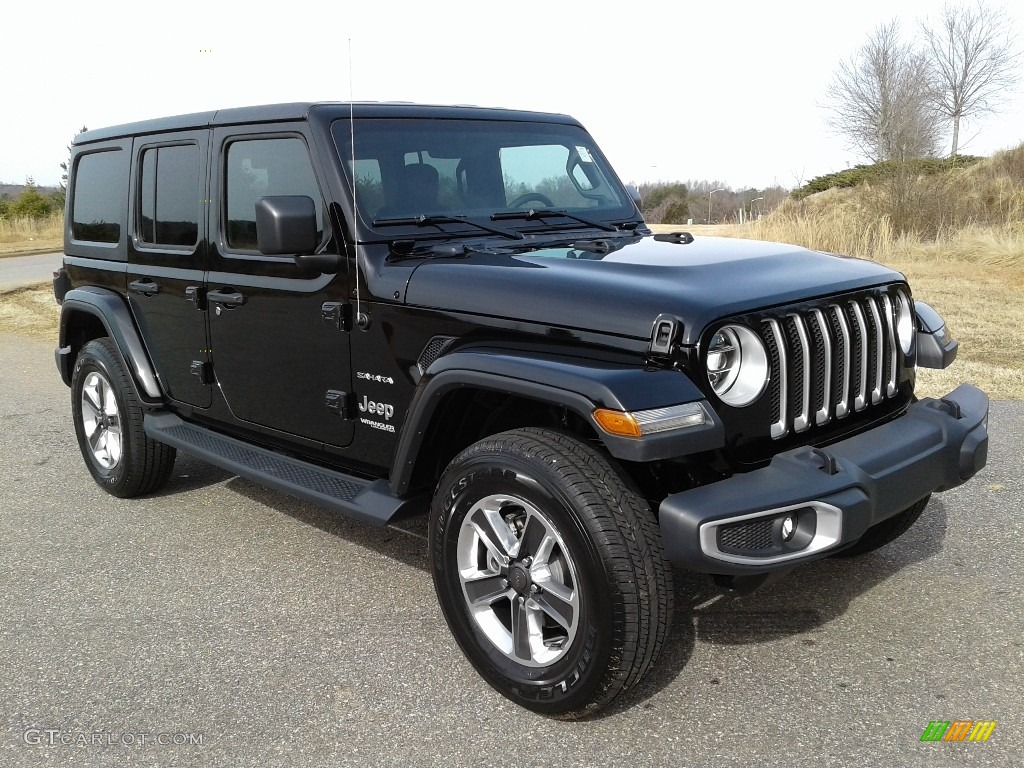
<point x="904" y="322"/>
<point x="737" y="365"/>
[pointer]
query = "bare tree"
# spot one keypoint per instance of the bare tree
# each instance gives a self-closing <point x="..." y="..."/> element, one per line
<point x="65" y="169"/>
<point x="973" y="60"/>
<point x="880" y="99"/>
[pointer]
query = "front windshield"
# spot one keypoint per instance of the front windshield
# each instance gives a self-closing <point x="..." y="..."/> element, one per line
<point x="406" y="168"/>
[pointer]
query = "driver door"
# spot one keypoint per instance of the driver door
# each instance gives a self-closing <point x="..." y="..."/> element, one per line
<point x="275" y="358"/>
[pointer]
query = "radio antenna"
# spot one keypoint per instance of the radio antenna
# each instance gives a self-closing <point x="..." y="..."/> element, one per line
<point x="361" y="320"/>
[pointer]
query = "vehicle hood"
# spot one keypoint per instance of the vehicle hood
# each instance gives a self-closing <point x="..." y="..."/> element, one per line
<point x="622" y="291"/>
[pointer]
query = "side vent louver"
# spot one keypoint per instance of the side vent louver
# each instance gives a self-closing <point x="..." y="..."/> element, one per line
<point x="433" y="350"/>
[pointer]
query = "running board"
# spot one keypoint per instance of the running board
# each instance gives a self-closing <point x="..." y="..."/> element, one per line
<point x="368" y="500"/>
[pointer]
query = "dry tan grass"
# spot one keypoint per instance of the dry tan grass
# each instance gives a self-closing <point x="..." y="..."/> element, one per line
<point x="982" y="306"/>
<point x="25" y="235"/>
<point x="30" y="312"/>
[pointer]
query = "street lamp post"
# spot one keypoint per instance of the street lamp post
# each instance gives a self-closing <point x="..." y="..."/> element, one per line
<point x="752" y="205"/>
<point x="712" y="192"/>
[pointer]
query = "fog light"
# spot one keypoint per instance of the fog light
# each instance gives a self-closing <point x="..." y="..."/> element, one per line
<point x="788" y="527"/>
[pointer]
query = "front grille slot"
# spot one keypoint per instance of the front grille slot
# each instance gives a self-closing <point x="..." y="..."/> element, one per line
<point x="829" y="361"/>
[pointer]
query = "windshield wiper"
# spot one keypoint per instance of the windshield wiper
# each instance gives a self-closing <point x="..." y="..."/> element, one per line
<point x="545" y="213"/>
<point x="429" y="221"/>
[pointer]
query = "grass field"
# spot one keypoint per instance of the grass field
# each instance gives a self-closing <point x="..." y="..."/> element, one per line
<point x="22" y="236"/>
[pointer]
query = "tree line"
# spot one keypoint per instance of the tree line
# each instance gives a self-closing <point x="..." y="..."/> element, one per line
<point x="31" y="203"/>
<point x="706" y="202"/>
<point x="34" y="202"/>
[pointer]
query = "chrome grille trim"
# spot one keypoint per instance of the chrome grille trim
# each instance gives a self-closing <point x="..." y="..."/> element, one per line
<point x="822" y="414"/>
<point x="781" y="426"/>
<point x="890" y="317"/>
<point x="876" y="391"/>
<point x="860" y="400"/>
<point x="803" y="419"/>
<point x="843" y="405"/>
<point x="829" y="360"/>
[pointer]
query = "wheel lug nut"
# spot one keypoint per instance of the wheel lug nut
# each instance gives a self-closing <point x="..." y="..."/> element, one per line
<point x="533" y="589"/>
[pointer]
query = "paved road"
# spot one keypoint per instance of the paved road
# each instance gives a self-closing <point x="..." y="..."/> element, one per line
<point x="18" y="271"/>
<point x="282" y="636"/>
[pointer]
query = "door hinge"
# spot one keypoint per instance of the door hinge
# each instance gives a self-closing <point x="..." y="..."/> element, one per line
<point x="339" y="402"/>
<point x="339" y="314"/>
<point x="196" y="295"/>
<point x="203" y="371"/>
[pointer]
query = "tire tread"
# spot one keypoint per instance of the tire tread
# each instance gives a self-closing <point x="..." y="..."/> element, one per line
<point x="626" y="531"/>
<point x="149" y="462"/>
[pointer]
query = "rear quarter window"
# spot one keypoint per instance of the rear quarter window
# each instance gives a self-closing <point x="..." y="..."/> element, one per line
<point x="100" y="196"/>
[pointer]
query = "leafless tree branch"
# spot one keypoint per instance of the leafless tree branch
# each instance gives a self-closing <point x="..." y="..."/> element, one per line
<point x="973" y="61"/>
<point x="880" y="99"/>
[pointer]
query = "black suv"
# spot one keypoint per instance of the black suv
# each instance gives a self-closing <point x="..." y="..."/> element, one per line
<point x="394" y="309"/>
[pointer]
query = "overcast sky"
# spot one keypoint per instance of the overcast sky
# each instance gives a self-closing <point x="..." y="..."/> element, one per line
<point x="717" y="90"/>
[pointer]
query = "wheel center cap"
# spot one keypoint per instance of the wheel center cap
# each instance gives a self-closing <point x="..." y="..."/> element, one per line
<point x="519" y="578"/>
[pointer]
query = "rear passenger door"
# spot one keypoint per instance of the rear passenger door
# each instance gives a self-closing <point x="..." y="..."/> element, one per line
<point x="280" y="361"/>
<point x="167" y="253"/>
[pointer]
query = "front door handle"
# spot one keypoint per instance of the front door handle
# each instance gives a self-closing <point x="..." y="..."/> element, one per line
<point x="227" y="297"/>
<point x="144" y="286"/>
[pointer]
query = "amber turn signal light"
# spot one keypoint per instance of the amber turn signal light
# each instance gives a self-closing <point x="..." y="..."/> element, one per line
<point x="617" y="422"/>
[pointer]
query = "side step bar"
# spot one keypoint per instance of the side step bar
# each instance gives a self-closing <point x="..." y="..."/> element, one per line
<point x="368" y="500"/>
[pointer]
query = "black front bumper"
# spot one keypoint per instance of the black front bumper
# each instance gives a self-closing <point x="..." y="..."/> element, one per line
<point x="833" y="495"/>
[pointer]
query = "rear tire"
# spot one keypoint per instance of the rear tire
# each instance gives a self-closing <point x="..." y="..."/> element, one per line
<point x="122" y="459"/>
<point x="886" y="531"/>
<point x="549" y="570"/>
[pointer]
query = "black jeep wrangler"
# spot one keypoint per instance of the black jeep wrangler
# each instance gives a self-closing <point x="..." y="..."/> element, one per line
<point x="393" y="309"/>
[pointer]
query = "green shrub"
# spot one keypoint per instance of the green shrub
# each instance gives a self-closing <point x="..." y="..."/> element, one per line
<point x="879" y="172"/>
<point x="30" y="204"/>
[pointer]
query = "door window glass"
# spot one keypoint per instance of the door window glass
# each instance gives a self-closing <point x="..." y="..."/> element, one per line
<point x="263" y="167"/>
<point x="169" y="192"/>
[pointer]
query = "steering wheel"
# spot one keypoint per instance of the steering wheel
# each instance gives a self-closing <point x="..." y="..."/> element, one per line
<point x="522" y="199"/>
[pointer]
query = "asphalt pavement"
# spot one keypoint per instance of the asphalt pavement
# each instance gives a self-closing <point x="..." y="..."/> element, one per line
<point x="21" y="271"/>
<point x="221" y="624"/>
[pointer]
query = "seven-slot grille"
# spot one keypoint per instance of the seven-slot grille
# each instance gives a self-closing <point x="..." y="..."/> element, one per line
<point x="830" y="361"/>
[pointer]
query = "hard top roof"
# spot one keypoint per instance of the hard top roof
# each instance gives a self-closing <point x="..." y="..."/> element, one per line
<point x="269" y="113"/>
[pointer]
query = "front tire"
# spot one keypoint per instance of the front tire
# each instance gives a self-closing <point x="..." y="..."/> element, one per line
<point x="549" y="570"/>
<point x="121" y="457"/>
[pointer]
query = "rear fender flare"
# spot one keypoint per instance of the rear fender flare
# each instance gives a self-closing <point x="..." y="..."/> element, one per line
<point x="109" y="307"/>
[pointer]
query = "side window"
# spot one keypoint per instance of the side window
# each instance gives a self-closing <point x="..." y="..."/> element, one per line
<point x="262" y="167"/>
<point x="169" y="191"/>
<point x="100" y="197"/>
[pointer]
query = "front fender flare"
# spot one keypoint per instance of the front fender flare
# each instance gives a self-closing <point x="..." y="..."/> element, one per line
<point x="109" y="308"/>
<point x="577" y="383"/>
<point x="935" y="347"/>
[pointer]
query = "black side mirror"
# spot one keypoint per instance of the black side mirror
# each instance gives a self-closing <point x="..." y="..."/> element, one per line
<point x="286" y="225"/>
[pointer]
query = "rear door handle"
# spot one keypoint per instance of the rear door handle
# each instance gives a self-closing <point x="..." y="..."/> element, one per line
<point x="144" y="286"/>
<point x="226" y="297"/>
